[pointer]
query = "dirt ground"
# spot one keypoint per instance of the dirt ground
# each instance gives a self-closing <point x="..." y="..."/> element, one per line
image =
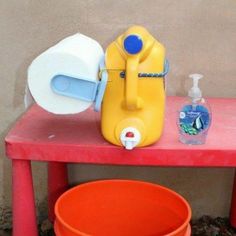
<point x="204" y="226"/>
<point x="208" y="226"/>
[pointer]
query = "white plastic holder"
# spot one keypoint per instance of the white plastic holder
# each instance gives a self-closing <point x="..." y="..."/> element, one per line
<point x="130" y="137"/>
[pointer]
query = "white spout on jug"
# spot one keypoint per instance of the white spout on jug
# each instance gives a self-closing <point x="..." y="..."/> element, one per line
<point x="130" y="137"/>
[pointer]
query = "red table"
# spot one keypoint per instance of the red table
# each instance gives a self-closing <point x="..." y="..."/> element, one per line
<point x="57" y="139"/>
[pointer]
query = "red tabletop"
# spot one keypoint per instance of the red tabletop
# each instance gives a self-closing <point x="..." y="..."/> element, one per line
<point x="42" y="136"/>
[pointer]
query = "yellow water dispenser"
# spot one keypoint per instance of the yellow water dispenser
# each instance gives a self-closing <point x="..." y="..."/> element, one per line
<point x="134" y="100"/>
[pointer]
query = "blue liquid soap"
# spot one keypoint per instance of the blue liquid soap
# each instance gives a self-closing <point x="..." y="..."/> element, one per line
<point x="194" y="117"/>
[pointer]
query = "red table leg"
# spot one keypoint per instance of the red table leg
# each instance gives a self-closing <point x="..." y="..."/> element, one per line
<point x="24" y="215"/>
<point x="57" y="184"/>
<point x="233" y="204"/>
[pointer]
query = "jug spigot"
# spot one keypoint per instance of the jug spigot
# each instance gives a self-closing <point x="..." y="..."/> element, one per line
<point x="130" y="137"/>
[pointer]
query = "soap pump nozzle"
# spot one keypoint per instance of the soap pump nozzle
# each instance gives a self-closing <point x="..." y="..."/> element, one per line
<point x="195" y="93"/>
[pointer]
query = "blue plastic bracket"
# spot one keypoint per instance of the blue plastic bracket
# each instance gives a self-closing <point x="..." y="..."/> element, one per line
<point x="81" y="88"/>
<point x="101" y="87"/>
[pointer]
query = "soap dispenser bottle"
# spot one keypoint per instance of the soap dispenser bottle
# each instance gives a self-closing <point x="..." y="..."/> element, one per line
<point x="194" y="117"/>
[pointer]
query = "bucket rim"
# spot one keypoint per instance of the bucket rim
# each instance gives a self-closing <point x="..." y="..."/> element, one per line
<point x="185" y="224"/>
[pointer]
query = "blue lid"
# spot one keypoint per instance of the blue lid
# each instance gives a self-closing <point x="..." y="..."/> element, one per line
<point x="133" y="44"/>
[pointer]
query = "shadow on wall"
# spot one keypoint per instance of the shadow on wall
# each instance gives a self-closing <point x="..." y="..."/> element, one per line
<point x="21" y="82"/>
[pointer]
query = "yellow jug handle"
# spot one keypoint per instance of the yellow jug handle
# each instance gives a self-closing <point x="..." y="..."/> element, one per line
<point x="131" y="84"/>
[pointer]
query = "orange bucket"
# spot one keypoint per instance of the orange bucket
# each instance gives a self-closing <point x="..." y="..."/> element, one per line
<point x="121" y="208"/>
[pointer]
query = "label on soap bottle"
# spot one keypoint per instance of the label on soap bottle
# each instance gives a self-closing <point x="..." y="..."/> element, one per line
<point x="194" y="119"/>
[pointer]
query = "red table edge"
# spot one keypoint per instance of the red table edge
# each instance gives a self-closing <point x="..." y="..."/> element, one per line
<point x="120" y="156"/>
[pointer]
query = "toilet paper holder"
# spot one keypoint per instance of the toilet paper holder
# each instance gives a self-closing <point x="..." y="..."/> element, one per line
<point x="81" y="88"/>
<point x="89" y="90"/>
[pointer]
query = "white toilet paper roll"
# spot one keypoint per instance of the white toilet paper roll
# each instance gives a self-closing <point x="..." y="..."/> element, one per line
<point x="77" y="56"/>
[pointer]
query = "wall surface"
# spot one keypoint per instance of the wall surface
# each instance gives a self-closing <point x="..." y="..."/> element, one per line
<point x="199" y="36"/>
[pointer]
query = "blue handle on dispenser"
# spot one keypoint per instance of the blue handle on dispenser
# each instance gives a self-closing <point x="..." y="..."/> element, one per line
<point x="80" y="88"/>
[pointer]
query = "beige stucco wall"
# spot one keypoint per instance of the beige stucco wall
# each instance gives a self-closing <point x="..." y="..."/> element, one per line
<point x="199" y="36"/>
